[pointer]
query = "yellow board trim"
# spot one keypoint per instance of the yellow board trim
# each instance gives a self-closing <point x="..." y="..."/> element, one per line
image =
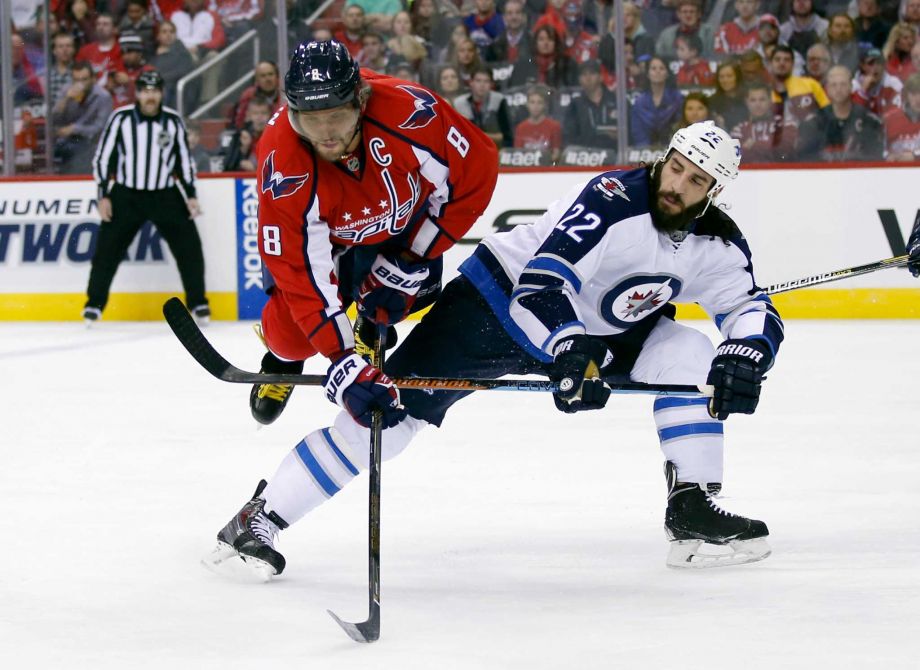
<point x="860" y="303"/>
<point x="121" y="307"/>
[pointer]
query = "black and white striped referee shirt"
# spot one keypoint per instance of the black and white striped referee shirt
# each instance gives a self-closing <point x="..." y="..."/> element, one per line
<point x="147" y="153"/>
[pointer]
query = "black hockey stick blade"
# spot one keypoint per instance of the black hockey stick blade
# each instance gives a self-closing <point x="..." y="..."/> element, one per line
<point x="366" y="631"/>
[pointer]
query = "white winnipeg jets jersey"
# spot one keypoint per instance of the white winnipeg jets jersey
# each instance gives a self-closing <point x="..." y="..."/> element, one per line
<point x="595" y="264"/>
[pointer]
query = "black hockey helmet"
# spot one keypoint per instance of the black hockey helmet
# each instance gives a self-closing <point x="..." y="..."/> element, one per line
<point x="149" y="79"/>
<point x="322" y="75"/>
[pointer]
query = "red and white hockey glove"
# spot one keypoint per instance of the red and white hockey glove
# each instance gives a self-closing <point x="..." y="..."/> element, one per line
<point x="387" y="293"/>
<point x="359" y="388"/>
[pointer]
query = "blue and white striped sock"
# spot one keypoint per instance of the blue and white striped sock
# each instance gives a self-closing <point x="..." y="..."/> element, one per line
<point x="690" y="438"/>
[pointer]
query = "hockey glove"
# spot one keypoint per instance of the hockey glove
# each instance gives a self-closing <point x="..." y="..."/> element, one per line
<point x="387" y="293"/>
<point x="913" y="248"/>
<point x="736" y="373"/>
<point x="359" y="388"/>
<point x="576" y="369"/>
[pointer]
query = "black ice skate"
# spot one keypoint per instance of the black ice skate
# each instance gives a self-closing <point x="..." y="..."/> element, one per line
<point x="267" y="401"/>
<point x="202" y="315"/>
<point x="91" y="315"/>
<point x="250" y="535"/>
<point x="694" y="519"/>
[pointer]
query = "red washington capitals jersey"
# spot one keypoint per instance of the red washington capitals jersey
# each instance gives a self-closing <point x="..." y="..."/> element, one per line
<point x="423" y="173"/>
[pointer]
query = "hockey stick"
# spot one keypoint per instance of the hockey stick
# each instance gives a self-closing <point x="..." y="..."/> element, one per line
<point x="191" y="337"/>
<point x="855" y="271"/>
<point x="369" y="631"/>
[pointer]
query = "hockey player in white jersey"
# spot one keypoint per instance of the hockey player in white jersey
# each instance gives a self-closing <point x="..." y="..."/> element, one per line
<point x="585" y="291"/>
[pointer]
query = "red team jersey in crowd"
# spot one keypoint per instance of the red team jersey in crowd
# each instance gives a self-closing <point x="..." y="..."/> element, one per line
<point x="695" y="74"/>
<point x="428" y="174"/>
<point x="902" y="134"/>
<point x="733" y="39"/>
<point x="545" y="135"/>
<point x="767" y="141"/>
<point x="103" y="61"/>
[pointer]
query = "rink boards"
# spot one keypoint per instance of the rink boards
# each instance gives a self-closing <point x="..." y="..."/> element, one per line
<point x="799" y="222"/>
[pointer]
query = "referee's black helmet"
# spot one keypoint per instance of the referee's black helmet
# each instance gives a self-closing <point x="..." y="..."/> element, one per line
<point x="149" y="79"/>
<point x="322" y="75"/>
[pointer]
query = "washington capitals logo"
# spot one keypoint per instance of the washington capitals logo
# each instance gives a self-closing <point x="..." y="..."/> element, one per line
<point x="424" y="108"/>
<point x="277" y="183"/>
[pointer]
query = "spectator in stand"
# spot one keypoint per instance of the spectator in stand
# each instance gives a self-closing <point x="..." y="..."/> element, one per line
<point x="173" y="61"/>
<point x="319" y="35"/>
<point x="591" y="117"/>
<point x="694" y="110"/>
<point x="817" y="62"/>
<point x="404" y="43"/>
<point x="198" y="29"/>
<point x="448" y="85"/>
<point x="741" y="33"/>
<point x="549" y="65"/>
<point x="486" y="108"/>
<point x="373" y="54"/>
<point x="121" y="81"/>
<point x="27" y="86"/>
<point x="580" y="45"/>
<point x="795" y="98"/>
<point x="466" y="60"/>
<point x="200" y="155"/>
<point x="752" y="68"/>
<point x="915" y="58"/>
<point x="897" y="50"/>
<point x="871" y="28"/>
<point x="458" y="34"/>
<point x="267" y="87"/>
<point x="841" y="131"/>
<point x="512" y="45"/>
<point x="63" y="50"/>
<point x="804" y="27"/>
<point x="598" y="14"/>
<point x="237" y="17"/>
<point x="693" y="70"/>
<point x="539" y="131"/>
<point x="873" y="87"/>
<point x="657" y="109"/>
<point x="485" y="24"/>
<point x="79" y="117"/>
<point x="76" y="18"/>
<point x="689" y="22"/>
<point x="103" y="53"/>
<point x="910" y="13"/>
<point x="643" y="43"/>
<point x="378" y="14"/>
<point x="402" y="70"/>
<point x="768" y="39"/>
<point x="727" y="103"/>
<point x="429" y="24"/>
<point x="902" y="125"/>
<point x="354" y="25"/>
<point x="138" y="21"/>
<point x="841" y="40"/>
<point x="766" y="136"/>
<point x="162" y="10"/>
<point x="241" y="154"/>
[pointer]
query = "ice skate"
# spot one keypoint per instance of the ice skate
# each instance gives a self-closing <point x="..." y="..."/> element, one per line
<point x="202" y="315"/>
<point x="702" y="534"/>
<point x="267" y="401"/>
<point x="91" y="315"/>
<point x="250" y="535"/>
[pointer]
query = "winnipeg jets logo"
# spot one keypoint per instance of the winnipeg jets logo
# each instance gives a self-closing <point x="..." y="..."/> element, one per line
<point x="640" y="302"/>
<point x="636" y="297"/>
<point x="277" y="183"/>
<point x="610" y="187"/>
<point x="424" y="108"/>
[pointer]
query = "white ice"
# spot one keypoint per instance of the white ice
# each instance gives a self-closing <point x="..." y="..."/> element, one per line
<point x="513" y="537"/>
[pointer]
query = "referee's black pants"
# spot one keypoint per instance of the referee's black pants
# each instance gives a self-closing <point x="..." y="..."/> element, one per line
<point x="130" y="210"/>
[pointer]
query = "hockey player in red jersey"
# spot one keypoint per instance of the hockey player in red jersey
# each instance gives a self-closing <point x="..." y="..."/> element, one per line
<point x="364" y="182"/>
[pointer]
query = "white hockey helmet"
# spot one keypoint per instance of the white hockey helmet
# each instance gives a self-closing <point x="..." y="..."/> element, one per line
<point x="711" y="149"/>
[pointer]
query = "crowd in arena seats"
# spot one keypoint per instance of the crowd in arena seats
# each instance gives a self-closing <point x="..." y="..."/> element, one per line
<point x="794" y="80"/>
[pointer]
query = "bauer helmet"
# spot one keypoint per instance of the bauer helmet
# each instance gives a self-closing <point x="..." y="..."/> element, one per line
<point x="711" y="149"/>
<point x="322" y="75"/>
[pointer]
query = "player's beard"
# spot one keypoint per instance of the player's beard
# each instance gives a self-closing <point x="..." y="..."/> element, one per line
<point x="342" y="144"/>
<point x="665" y="221"/>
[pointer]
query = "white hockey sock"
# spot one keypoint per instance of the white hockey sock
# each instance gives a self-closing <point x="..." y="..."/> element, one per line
<point x="325" y="461"/>
<point x="690" y="438"/>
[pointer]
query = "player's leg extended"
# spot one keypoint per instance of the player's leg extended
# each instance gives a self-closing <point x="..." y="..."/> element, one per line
<point x="328" y="459"/>
<point x="692" y="442"/>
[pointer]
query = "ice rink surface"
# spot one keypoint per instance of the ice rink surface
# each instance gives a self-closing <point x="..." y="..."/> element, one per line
<point x="513" y="537"/>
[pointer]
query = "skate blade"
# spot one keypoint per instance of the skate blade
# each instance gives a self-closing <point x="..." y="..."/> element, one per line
<point x="696" y="554"/>
<point x="220" y="562"/>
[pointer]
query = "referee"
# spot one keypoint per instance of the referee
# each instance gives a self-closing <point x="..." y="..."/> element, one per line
<point x="142" y="159"/>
